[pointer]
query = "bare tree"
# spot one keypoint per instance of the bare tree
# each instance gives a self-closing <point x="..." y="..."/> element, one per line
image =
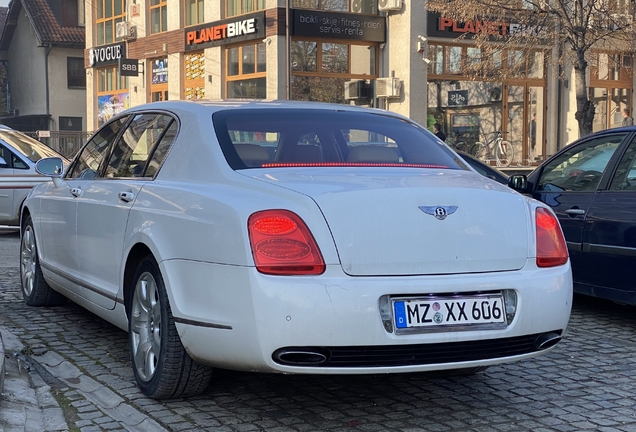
<point x="574" y="26"/>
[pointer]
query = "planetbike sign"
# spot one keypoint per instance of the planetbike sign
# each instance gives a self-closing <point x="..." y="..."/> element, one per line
<point x="227" y="31"/>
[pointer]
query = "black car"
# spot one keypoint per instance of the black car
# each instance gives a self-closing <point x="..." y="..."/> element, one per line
<point x="484" y="169"/>
<point x="591" y="185"/>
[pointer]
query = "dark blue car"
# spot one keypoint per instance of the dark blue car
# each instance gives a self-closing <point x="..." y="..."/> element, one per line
<point x="591" y="185"/>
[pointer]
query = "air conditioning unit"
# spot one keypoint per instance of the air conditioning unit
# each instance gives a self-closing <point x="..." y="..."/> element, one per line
<point x="357" y="89"/>
<point x="388" y="87"/>
<point x="124" y="30"/>
<point x="389" y="5"/>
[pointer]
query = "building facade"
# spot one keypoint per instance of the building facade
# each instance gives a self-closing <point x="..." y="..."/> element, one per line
<point x="43" y="44"/>
<point x="383" y="53"/>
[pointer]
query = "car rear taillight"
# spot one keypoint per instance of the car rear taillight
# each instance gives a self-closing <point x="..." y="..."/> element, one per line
<point x="283" y="245"/>
<point x="551" y="248"/>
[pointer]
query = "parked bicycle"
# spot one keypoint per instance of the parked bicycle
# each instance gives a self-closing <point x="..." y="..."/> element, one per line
<point x="495" y="148"/>
<point x="462" y="142"/>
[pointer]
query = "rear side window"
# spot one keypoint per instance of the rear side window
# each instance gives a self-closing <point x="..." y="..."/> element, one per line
<point x="133" y="148"/>
<point x="261" y="138"/>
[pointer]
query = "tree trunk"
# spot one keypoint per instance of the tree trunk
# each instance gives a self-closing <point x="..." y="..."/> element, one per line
<point x="585" y="109"/>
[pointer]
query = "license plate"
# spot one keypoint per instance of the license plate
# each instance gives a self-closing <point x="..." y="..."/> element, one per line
<point x="483" y="310"/>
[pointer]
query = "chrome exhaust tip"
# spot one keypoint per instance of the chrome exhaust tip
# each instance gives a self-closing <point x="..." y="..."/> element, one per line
<point x="547" y="340"/>
<point x="300" y="356"/>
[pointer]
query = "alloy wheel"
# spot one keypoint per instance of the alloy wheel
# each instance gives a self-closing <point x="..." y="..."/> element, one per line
<point x="28" y="261"/>
<point x="146" y="326"/>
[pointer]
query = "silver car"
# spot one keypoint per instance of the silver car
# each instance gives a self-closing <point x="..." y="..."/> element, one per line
<point x="18" y="155"/>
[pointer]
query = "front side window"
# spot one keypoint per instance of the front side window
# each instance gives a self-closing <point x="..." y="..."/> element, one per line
<point x="305" y="138"/>
<point x="107" y="14"/>
<point x="86" y="166"/>
<point x="581" y="167"/>
<point x="158" y="16"/>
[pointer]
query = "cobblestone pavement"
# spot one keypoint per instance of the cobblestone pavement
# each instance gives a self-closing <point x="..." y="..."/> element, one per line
<point x="588" y="382"/>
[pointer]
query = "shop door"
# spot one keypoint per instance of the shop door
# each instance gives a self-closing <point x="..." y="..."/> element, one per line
<point x="524" y="126"/>
<point x="159" y="80"/>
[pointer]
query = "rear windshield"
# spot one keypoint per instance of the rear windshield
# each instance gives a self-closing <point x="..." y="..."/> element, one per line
<point x="260" y="138"/>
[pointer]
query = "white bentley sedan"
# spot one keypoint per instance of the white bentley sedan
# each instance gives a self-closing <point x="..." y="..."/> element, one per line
<point x="294" y="238"/>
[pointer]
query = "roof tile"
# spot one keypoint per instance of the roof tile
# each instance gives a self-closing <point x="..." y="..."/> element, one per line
<point x="48" y="27"/>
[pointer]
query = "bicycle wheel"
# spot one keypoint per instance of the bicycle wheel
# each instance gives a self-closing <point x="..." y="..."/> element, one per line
<point x="504" y="153"/>
<point x="478" y="150"/>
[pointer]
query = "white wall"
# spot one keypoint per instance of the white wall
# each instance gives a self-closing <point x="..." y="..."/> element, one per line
<point x="27" y="77"/>
<point x="62" y="100"/>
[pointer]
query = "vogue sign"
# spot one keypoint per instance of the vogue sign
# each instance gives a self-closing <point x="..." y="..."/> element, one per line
<point x="106" y="54"/>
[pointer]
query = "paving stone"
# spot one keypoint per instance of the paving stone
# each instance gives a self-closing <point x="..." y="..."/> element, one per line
<point x="587" y="382"/>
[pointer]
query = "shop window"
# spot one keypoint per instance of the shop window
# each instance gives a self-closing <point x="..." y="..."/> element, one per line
<point x="159" y="79"/>
<point x="75" y="73"/>
<point x="194" y="12"/>
<point x="611" y="67"/>
<point x="454" y="60"/>
<point x="194" y="74"/>
<point x="329" y="58"/>
<point x="112" y="94"/>
<point x="107" y="14"/>
<point x="158" y="16"/>
<point x="246" y="68"/>
<point x="239" y="7"/>
<point x="321" y="69"/>
<point x="458" y="60"/>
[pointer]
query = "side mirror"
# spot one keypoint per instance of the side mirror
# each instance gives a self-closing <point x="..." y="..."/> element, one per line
<point x="518" y="183"/>
<point x="2" y="161"/>
<point x="50" y="167"/>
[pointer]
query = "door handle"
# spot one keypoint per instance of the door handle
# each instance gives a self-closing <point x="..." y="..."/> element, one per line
<point x="76" y="192"/>
<point x="575" y="212"/>
<point x="126" y="196"/>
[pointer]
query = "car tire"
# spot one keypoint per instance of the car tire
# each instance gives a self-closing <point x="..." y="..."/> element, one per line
<point x="35" y="290"/>
<point x="162" y="367"/>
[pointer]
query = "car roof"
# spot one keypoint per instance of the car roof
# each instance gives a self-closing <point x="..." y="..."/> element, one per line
<point x="215" y="105"/>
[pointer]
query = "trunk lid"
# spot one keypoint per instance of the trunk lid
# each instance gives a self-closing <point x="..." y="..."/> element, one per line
<point x="384" y="222"/>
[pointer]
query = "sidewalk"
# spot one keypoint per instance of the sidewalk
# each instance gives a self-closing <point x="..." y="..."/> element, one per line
<point x="26" y="402"/>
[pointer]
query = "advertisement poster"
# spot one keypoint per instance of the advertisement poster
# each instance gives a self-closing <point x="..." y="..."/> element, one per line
<point x="110" y="105"/>
<point x="160" y="71"/>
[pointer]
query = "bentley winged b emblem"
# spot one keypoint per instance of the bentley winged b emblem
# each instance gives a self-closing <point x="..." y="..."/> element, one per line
<point x="440" y="212"/>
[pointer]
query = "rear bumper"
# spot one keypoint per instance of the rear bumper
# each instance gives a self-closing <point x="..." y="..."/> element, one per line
<point x="235" y="318"/>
